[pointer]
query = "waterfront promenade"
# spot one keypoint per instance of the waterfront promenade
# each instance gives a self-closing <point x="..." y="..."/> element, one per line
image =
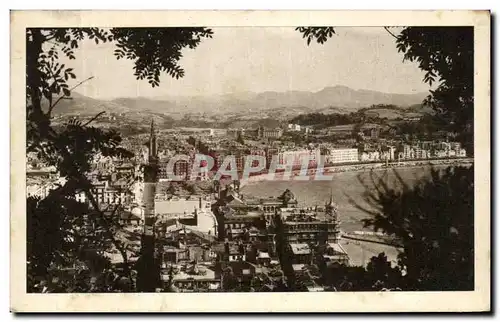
<point x="357" y="167"/>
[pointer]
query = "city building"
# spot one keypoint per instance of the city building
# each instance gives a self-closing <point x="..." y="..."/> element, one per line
<point x="342" y="156"/>
<point x="335" y="253"/>
<point x="408" y="152"/>
<point x="301" y="253"/>
<point x="265" y="133"/>
<point x="296" y="157"/>
<point x="307" y="225"/>
<point x="41" y="189"/>
<point x="191" y="278"/>
<point x="194" y="212"/>
<point x="107" y="194"/>
<point x="367" y="156"/>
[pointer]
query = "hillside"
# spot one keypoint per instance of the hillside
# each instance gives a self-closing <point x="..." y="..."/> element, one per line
<point x="279" y="105"/>
<point x="84" y="105"/>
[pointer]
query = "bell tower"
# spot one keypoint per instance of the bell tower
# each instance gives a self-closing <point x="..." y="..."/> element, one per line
<point x="150" y="179"/>
<point x="332" y="226"/>
<point x="148" y="278"/>
<point x="153" y="145"/>
<point x="331" y="208"/>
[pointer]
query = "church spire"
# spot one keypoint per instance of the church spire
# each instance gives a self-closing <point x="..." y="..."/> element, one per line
<point x="330" y="202"/>
<point x="330" y="206"/>
<point x="152" y="141"/>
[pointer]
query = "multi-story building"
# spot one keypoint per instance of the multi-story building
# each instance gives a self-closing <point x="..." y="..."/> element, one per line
<point x="195" y="278"/>
<point x="388" y="153"/>
<point x="421" y="153"/>
<point x="275" y="133"/>
<point x="193" y="213"/>
<point x="270" y="205"/>
<point x="163" y="174"/>
<point x="182" y="168"/>
<point x="374" y="133"/>
<point x="312" y="225"/>
<point x="342" y="156"/>
<point x="106" y="193"/>
<point x="236" y="225"/>
<point x="370" y="156"/>
<point x="440" y="154"/>
<point x="408" y="152"/>
<point x="296" y="158"/>
<point x="307" y="129"/>
<point x="427" y="145"/>
<point x="444" y="146"/>
<point x="234" y="133"/>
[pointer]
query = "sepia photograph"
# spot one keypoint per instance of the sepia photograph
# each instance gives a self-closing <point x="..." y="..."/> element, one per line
<point x="327" y="156"/>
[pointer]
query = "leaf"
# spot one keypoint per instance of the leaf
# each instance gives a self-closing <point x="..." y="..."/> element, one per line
<point x="66" y="92"/>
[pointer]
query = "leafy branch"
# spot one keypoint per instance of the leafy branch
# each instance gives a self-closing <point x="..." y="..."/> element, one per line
<point x="66" y="94"/>
<point x="94" y="118"/>
<point x="390" y="32"/>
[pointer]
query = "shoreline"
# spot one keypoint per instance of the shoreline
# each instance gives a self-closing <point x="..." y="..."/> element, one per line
<point x="361" y="167"/>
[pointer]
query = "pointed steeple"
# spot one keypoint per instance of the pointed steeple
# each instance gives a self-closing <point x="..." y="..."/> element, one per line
<point x="330" y="207"/>
<point x="331" y="198"/>
<point x="152" y="141"/>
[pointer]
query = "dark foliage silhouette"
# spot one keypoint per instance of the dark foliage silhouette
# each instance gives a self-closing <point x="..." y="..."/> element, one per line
<point x="378" y="275"/>
<point x="55" y="237"/>
<point x="434" y="220"/>
<point x="446" y="55"/>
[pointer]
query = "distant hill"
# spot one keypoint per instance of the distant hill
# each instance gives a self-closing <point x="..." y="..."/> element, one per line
<point x="280" y="105"/>
<point x="84" y="105"/>
<point x="338" y="97"/>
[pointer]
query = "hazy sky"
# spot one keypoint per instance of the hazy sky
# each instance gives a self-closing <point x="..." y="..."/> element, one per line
<point x="260" y="59"/>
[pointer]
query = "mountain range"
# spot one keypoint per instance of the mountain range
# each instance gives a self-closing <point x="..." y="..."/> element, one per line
<point x="339" y="99"/>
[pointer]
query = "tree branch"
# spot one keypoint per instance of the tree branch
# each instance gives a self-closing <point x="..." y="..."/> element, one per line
<point x="86" y="184"/>
<point x="107" y="225"/>
<point x="62" y="97"/>
<point x="390" y="33"/>
<point x="94" y="118"/>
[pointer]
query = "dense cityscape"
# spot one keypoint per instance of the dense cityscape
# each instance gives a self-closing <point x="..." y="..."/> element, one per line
<point x="257" y="172"/>
<point x="211" y="237"/>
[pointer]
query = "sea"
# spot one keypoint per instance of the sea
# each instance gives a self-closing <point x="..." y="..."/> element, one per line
<point x="349" y="191"/>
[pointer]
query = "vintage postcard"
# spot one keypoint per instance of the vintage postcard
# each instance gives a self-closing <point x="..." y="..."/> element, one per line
<point x="250" y="161"/>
